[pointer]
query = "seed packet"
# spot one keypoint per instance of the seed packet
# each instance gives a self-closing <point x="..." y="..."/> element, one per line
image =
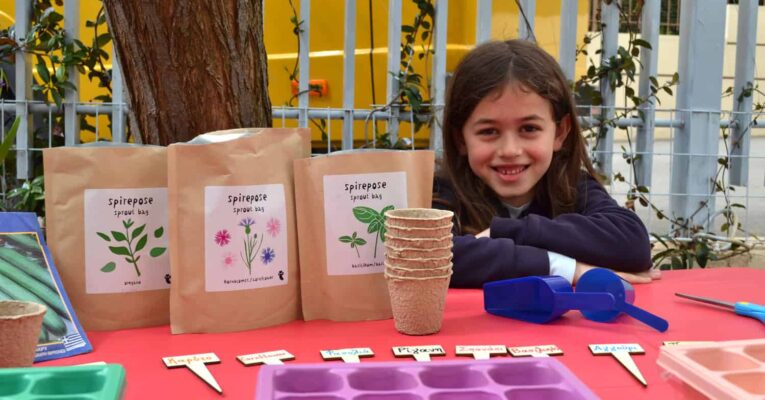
<point x="233" y="241"/>
<point x="27" y="273"/>
<point x="341" y="203"/>
<point x="106" y="220"/>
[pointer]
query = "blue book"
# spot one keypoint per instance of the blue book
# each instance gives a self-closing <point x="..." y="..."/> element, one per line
<point x="27" y="273"/>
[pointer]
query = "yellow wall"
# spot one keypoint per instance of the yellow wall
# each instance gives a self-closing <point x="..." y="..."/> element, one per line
<point x="326" y="46"/>
<point x="326" y="43"/>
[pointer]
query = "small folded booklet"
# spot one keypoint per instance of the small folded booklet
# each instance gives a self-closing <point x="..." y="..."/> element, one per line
<point x="27" y="273"/>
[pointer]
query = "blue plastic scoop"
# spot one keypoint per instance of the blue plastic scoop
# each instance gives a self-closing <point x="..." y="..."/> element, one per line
<point x="600" y="280"/>
<point x="600" y="295"/>
<point x="540" y="299"/>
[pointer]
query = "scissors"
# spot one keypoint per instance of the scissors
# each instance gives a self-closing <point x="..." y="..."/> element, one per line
<point x="741" y="307"/>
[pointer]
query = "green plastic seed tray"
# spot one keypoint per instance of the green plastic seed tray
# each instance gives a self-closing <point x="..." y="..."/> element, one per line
<point x="86" y="382"/>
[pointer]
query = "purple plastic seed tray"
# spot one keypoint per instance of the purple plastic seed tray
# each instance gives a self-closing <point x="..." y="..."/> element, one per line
<point x="498" y="378"/>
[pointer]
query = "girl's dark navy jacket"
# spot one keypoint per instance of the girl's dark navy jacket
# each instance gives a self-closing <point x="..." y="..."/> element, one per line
<point x="599" y="233"/>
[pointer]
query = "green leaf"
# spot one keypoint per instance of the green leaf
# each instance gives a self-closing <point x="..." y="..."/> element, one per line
<point x="130" y="260"/>
<point x="104" y="236"/>
<point x="346" y="239"/>
<point x="383" y="231"/>
<point x="10" y="136"/>
<point x="702" y="254"/>
<point x="386" y="209"/>
<point x="374" y="226"/>
<point x="109" y="267"/>
<point x="141" y="243"/>
<point x="119" y="236"/>
<point x="137" y="232"/>
<point x="103" y="39"/>
<point x="360" y="242"/>
<point x="157" y="251"/>
<point x="42" y="70"/>
<point x="641" y="43"/>
<point x="364" y="214"/>
<point x="56" y="97"/>
<point x="158" y="233"/>
<point x="68" y="85"/>
<point x="120" y="250"/>
<point x="61" y="74"/>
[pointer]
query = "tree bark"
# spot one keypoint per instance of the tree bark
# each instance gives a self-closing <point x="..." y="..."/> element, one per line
<point x="191" y="66"/>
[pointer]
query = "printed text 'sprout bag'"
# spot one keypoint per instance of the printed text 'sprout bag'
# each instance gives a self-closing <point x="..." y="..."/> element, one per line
<point x="233" y="241"/>
<point x="106" y="224"/>
<point x="341" y="201"/>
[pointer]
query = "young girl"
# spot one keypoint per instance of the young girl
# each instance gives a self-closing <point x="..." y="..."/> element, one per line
<point x="516" y="173"/>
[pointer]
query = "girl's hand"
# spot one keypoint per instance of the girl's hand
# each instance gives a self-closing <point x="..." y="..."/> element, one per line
<point x="631" y="277"/>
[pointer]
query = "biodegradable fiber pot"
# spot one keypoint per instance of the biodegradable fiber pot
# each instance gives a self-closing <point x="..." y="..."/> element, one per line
<point x="417" y="233"/>
<point x="406" y="252"/>
<point x="418" y="303"/>
<point x="422" y="243"/>
<point x="417" y="263"/>
<point x="402" y="272"/>
<point x="20" y="325"/>
<point x="418" y="218"/>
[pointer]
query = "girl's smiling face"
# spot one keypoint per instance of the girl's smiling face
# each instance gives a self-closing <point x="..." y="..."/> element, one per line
<point x="509" y="141"/>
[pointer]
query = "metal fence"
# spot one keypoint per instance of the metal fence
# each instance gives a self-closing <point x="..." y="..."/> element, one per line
<point x="680" y="171"/>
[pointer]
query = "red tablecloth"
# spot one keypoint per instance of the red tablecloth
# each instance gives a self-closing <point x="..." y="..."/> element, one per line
<point x="465" y="322"/>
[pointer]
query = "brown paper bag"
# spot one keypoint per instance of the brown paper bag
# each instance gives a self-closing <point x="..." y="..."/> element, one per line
<point x="233" y="241"/>
<point x="106" y="208"/>
<point x="341" y="200"/>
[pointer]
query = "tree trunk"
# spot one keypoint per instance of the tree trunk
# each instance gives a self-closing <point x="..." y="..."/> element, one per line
<point x="191" y="67"/>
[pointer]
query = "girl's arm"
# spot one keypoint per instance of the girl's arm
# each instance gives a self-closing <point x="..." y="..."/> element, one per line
<point x="480" y="260"/>
<point x="602" y="233"/>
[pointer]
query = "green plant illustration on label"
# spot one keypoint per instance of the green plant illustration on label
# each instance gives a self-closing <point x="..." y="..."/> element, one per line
<point x="375" y="221"/>
<point x="135" y="241"/>
<point x="250" y="240"/>
<point x="354" y="241"/>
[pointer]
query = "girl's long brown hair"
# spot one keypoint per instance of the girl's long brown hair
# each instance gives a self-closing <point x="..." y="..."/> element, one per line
<point x="484" y="71"/>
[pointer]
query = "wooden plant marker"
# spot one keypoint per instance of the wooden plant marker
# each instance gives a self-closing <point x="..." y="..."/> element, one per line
<point x="545" y="350"/>
<point x="196" y="363"/>
<point x="349" y="355"/>
<point x="481" y="352"/>
<point x="269" y="358"/>
<point x="675" y="343"/>
<point x="420" y="353"/>
<point x="622" y="354"/>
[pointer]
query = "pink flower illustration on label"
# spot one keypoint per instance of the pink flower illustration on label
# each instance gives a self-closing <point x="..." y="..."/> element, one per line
<point x="228" y="260"/>
<point x="222" y="237"/>
<point x="273" y="226"/>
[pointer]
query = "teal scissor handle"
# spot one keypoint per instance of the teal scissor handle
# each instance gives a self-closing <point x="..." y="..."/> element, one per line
<point x="750" y="310"/>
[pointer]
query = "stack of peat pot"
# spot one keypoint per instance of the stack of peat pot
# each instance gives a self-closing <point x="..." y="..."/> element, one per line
<point x="418" y="267"/>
